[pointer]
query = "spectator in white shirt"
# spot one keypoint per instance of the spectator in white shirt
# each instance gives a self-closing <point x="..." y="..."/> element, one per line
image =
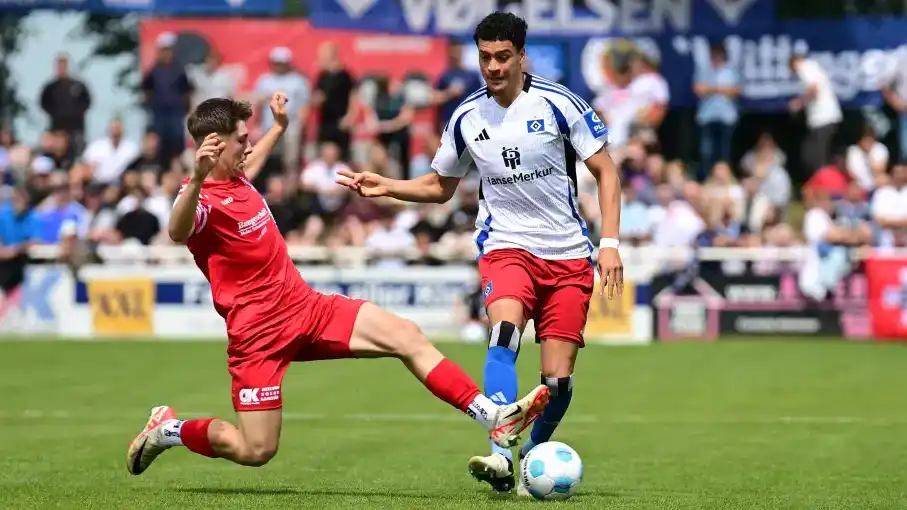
<point x="764" y="166"/>
<point x="320" y="178"/>
<point x="867" y="160"/>
<point x="722" y="188"/>
<point x="212" y="78"/>
<point x="650" y="95"/>
<point x="614" y="105"/>
<point x="889" y="208"/>
<point x="108" y="157"/>
<point x="823" y="112"/>
<point x="284" y="78"/>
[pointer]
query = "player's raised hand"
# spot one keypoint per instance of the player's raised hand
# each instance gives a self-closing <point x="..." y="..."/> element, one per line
<point x="367" y="184"/>
<point x="207" y="155"/>
<point x="279" y="109"/>
<point x="611" y="270"/>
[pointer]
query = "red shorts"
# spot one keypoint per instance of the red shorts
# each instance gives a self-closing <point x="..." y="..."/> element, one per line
<point x="554" y="293"/>
<point x="321" y="332"/>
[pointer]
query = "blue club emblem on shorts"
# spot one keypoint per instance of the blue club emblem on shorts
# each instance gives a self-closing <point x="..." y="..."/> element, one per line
<point x="488" y="289"/>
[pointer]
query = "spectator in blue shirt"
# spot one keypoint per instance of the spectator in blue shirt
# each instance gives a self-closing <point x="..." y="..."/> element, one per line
<point x="454" y="85"/>
<point x="167" y="93"/>
<point x="718" y="86"/>
<point x="17" y="229"/>
<point x="60" y="218"/>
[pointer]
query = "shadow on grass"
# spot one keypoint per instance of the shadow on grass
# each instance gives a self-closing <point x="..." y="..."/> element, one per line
<point x="251" y="491"/>
<point x="583" y="494"/>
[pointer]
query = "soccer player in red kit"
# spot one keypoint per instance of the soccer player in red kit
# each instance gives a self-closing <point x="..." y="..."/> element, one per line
<point x="273" y="316"/>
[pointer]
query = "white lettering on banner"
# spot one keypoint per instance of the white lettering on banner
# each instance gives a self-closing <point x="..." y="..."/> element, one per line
<point x="544" y="16"/>
<point x="751" y="293"/>
<point x="355" y="9"/>
<point x="688" y="318"/>
<point x="765" y="71"/>
<point x="731" y="10"/>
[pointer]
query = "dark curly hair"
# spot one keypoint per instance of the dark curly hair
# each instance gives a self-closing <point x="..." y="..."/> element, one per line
<point x="502" y="26"/>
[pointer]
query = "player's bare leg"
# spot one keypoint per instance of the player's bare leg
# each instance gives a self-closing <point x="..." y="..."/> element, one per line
<point x="507" y="316"/>
<point x="251" y="442"/>
<point x="379" y="333"/>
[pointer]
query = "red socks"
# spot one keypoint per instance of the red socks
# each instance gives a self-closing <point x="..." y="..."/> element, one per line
<point x="448" y="382"/>
<point x="194" y="434"/>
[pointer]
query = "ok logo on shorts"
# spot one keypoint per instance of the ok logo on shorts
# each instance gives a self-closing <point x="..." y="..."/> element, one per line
<point x="248" y="395"/>
<point x="489" y="288"/>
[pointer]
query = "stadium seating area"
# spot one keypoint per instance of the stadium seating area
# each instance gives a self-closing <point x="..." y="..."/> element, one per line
<point x="83" y="197"/>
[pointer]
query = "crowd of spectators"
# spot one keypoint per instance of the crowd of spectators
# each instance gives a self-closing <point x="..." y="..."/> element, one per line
<point x="78" y="192"/>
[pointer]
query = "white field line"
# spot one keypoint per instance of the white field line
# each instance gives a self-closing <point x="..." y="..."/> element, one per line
<point x="43" y="414"/>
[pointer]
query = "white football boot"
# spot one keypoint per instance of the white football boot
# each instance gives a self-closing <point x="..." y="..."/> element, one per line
<point x="511" y="419"/>
<point x="496" y="470"/>
<point x="148" y="444"/>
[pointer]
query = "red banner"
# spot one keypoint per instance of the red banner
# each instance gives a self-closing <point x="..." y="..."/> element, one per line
<point x="888" y="297"/>
<point x="248" y="43"/>
<point x="245" y="44"/>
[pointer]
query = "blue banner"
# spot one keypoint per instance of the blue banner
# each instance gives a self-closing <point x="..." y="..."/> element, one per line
<point x="571" y="40"/>
<point x="158" y="7"/>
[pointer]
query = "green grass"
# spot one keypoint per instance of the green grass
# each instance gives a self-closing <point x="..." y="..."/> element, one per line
<point x="775" y="425"/>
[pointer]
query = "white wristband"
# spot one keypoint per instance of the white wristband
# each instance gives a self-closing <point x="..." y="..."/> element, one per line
<point x="608" y="243"/>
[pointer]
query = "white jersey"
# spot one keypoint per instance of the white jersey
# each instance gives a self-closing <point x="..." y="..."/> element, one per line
<point x="526" y="158"/>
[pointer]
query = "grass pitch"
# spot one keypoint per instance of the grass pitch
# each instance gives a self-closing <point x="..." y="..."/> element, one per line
<point x="774" y="425"/>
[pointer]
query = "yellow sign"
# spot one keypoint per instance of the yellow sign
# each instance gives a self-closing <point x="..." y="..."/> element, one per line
<point x="122" y="307"/>
<point x="611" y="317"/>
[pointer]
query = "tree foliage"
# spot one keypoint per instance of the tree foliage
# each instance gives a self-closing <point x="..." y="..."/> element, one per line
<point x="116" y="36"/>
<point x="12" y="30"/>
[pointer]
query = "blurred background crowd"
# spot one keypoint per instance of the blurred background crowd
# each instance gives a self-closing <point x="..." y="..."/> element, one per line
<point x="80" y="190"/>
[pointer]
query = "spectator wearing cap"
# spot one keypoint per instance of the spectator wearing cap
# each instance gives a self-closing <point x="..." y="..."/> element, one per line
<point x="110" y="155"/>
<point x="717" y="85"/>
<point x="283" y="77"/>
<point x="39" y="182"/>
<point x="454" y="84"/>
<point x="823" y="111"/>
<point x="167" y="93"/>
<point x="66" y="100"/>
<point x="335" y="96"/>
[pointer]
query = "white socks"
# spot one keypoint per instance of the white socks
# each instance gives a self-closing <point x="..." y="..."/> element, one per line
<point x="482" y="410"/>
<point x="170" y="433"/>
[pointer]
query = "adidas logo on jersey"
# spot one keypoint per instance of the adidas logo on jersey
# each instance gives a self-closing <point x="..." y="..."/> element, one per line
<point x="483" y="136"/>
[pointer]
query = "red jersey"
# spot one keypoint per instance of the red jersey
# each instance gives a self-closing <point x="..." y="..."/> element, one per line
<point x="235" y="242"/>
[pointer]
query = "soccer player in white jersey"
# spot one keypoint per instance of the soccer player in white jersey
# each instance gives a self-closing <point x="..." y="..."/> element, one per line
<point x="524" y="135"/>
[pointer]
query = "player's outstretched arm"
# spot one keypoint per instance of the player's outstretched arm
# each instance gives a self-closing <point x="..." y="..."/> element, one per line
<point x="610" y="266"/>
<point x="429" y="188"/>
<point x="260" y="152"/>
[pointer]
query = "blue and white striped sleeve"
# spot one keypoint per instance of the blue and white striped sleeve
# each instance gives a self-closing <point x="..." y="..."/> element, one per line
<point x="453" y="158"/>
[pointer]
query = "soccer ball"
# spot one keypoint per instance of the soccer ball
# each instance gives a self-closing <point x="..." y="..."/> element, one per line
<point x="551" y="470"/>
